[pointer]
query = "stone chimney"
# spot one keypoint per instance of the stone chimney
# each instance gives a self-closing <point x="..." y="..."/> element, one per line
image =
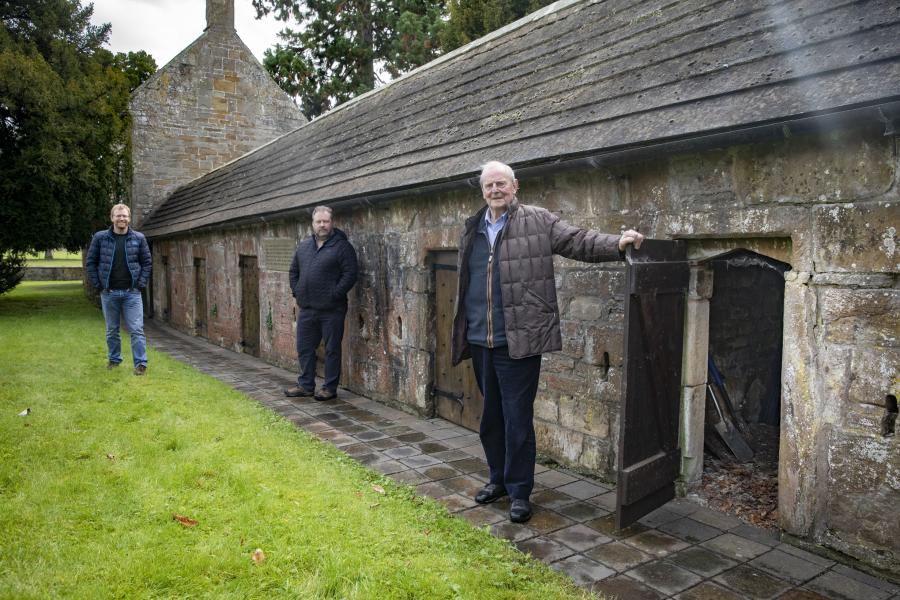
<point x="220" y="14"/>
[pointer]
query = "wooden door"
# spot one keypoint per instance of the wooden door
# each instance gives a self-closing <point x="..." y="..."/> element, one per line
<point x="200" y="308"/>
<point x="249" y="305"/>
<point x="147" y="293"/>
<point x="456" y="394"/>
<point x="167" y="279"/>
<point x="648" y="458"/>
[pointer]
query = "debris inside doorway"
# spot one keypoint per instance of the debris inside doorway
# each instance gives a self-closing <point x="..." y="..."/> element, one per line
<point x="747" y="490"/>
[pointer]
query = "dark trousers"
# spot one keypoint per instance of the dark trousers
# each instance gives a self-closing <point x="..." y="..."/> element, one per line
<point x="509" y="386"/>
<point x="312" y="327"/>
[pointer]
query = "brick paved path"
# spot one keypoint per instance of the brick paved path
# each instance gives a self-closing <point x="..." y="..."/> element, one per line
<point x="682" y="550"/>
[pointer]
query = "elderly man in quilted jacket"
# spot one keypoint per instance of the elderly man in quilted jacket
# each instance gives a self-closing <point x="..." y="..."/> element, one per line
<point x="507" y="316"/>
<point x="118" y="264"/>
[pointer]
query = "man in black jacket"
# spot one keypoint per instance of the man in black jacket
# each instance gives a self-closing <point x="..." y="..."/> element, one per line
<point x="322" y="272"/>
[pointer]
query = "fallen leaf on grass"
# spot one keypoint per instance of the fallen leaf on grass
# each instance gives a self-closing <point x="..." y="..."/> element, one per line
<point x="378" y="488"/>
<point x="25" y="412"/>
<point x="376" y="505"/>
<point x="258" y="556"/>
<point x="186" y="521"/>
<point x="111" y="456"/>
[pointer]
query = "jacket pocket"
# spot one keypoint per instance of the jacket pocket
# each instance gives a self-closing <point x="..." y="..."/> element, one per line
<point x="536" y="299"/>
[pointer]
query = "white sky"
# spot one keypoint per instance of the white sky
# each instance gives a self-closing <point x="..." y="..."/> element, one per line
<point x="166" y="27"/>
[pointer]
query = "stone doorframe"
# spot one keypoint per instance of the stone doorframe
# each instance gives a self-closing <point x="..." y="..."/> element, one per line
<point x="696" y="343"/>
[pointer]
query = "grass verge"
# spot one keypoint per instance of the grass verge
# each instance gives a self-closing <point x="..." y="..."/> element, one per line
<point x="61" y="258"/>
<point x="91" y="479"/>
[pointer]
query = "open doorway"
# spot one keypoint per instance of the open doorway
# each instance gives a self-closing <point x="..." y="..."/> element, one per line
<point x="743" y="387"/>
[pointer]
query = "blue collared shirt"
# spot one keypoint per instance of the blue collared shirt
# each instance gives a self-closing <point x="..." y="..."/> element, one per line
<point x="492" y="229"/>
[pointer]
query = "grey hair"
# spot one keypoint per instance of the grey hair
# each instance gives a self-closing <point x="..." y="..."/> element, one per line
<point x="495" y="165"/>
<point x="319" y="209"/>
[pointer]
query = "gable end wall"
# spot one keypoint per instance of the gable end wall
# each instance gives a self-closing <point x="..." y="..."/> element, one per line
<point x="211" y="104"/>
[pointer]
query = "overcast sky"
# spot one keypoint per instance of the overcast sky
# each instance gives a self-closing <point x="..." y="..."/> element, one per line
<point x="166" y="27"/>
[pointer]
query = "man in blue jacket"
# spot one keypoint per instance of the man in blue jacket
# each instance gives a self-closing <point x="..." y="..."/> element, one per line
<point x="119" y="264"/>
<point x="323" y="270"/>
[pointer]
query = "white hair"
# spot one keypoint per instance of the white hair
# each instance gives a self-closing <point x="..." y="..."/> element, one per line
<point x="496" y="166"/>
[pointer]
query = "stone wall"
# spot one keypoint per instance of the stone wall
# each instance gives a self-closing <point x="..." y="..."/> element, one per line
<point x="53" y="273"/>
<point x="174" y="281"/>
<point x="833" y="197"/>
<point x="211" y="104"/>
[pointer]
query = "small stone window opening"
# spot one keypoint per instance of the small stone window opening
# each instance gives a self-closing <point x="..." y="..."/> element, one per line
<point x="889" y="420"/>
<point x="605" y="366"/>
<point x="361" y="321"/>
<point x="400" y="327"/>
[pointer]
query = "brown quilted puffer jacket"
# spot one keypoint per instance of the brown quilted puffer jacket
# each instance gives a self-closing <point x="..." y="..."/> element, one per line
<point x="531" y="237"/>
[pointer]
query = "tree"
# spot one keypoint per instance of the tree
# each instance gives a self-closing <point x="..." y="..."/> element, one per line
<point x="12" y="270"/>
<point x="472" y="19"/>
<point x="137" y="67"/>
<point x="64" y="125"/>
<point x="341" y="45"/>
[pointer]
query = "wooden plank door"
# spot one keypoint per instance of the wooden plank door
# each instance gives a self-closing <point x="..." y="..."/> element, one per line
<point x="200" y="308"/>
<point x="456" y="394"/>
<point x="249" y="304"/>
<point x="648" y="458"/>
<point x="167" y="279"/>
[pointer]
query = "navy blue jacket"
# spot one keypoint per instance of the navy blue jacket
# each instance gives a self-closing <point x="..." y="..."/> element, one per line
<point x="100" y="258"/>
<point x="486" y="325"/>
<point x="321" y="277"/>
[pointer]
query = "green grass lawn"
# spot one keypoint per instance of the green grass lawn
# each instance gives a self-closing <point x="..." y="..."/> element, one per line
<point x="91" y="478"/>
<point x="61" y="258"/>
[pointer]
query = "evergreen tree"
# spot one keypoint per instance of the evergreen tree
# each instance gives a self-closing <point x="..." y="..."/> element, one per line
<point x="472" y="19"/>
<point x="340" y="46"/>
<point x="12" y="270"/>
<point x="64" y="126"/>
<point x="137" y="67"/>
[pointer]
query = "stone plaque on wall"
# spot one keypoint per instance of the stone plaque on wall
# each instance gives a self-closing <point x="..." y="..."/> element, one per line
<point x="279" y="253"/>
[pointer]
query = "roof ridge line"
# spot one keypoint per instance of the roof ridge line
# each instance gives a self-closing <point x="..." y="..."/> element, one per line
<point x="536" y="15"/>
<point x="556" y="6"/>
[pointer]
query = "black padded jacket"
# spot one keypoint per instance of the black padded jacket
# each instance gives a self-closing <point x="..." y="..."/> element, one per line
<point x="321" y="277"/>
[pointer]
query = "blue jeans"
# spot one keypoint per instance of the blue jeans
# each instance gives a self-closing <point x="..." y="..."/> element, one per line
<point x="312" y="326"/>
<point x="127" y="304"/>
<point x="508" y="386"/>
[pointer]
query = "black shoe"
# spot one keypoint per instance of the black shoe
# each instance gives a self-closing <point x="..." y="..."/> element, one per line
<point x="520" y="511"/>
<point x="111" y="365"/>
<point x="297" y="392"/>
<point x="324" y="394"/>
<point x="140" y="370"/>
<point x="490" y="493"/>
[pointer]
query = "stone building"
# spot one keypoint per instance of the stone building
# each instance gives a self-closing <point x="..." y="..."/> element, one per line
<point x="762" y="136"/>
<point x="209" y="105"/>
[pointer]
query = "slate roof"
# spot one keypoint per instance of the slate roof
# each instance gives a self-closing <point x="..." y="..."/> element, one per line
<point x="576" y="79"/>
